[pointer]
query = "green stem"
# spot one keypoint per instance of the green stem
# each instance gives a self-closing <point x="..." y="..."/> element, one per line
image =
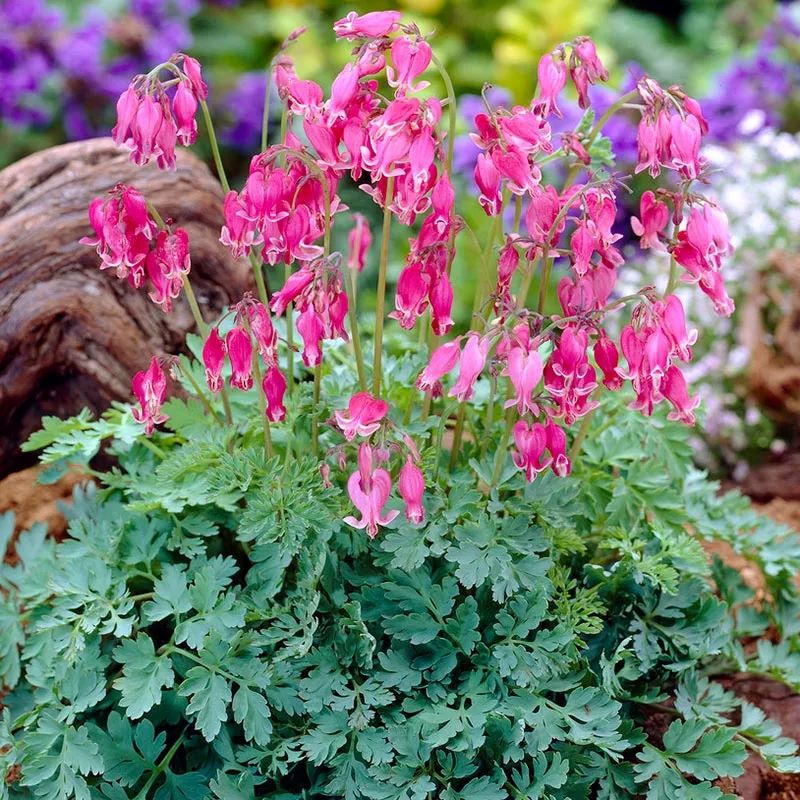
<point x="314" y="421"/>
<point x="201" y="395"/>
<point x="212" y="138"/>
<point x="674" y="276"/>
<point x="381" y="297"/>
<point x="500" y="456"/>
<point x="517" y="213"/>
<point x="353" y="316"/>
<point x="258" y="274"/>
<point x="548" y="266"/>
<point x="160" y="767"/>
<point x="289" y="339"/>
<point x="586" y="423"/>
<point x="489" y="422"/>
<point x="457" y="434"/>
<point x="451" y="111"/>
<point x="153" y="448"/>
<point x="267" y="100"/>
<point x="202" y="328"/>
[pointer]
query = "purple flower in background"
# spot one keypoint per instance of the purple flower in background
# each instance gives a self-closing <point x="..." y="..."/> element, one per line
<point x="27" y="28"/>
<point x="244" y="107"/>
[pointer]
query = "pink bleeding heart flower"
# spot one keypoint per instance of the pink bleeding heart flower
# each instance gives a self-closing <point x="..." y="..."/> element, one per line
<point x="263" y="330"/>
<point x="524" y="369"/>
<point x="674" y="388"/>
<point x="443" y="360"/>
<point x="193" y="70"/>
<point x="369" y="488"/>
<point x="552" y="77"/>
<point x="166" y="140"/>
<point x="367" y="26"/>
<point x="184" y="109"/>
<point x="411" y="298"/>
<point x="607" y="357"/>
<point x="411" y="484"/>
<point x="441" y="299"/>
<point x="653" y="218"/>
<point x="685" y="139"/>
<point x="312" y="331"/>
<point x="238" y="233"/>
<point x="363" y="416"/>
<point x="473" y="359"/>
<point x="240" y="352"/>
<point x="569" y="377"/>
<point x="557" y="445"/>
<point x="148" y="121"/>
<point x="274" y="387"/>
<point x="410" y="58"/>
<point x="172" y="253"/>
<point x="358" y="241"/>
<point x="213" y="359"/>
<point x="673" y="323"/>
<point x="296" y="283"/>
<point x="691" y="106"/>
<point x="586" y="68"/>
<point x="150" y="388"/>
<point x="487" y="179"/>
<point x="127" y="106"/>
<point x="582" y="245"/>
<point x="531" y="442"/>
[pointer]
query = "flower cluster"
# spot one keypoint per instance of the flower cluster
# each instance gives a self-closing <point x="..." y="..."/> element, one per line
<point x="370" y="485"/>
<point x="65" y="69"/>
<point x="129" y="240"/>
<point x="149" y="123"/>
<point x="374" y="129"/>
<point x="252" y="325"/>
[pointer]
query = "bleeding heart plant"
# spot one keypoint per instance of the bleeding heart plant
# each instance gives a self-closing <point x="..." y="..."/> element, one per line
<point x="395" y="147"/>
<point x="440" y="560"/>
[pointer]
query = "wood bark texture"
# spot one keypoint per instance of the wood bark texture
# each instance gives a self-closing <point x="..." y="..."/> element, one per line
<point x="72" y="335"/>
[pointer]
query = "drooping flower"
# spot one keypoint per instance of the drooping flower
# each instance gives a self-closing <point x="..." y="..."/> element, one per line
<point x="150" y="388"/>
<point x="531" y="443"/>
<point x="369" y="488"/>
<point x="369" y="25"/>
<point x="443" y="360"/>
<point x="411" y="484"/>
<point x="240" y="353"/>
<point x="552" y="77"/>
<point x="359" y="241"/>
<point x="607" y="357"/>
<point x="363" y="415"/>
<point x="675" y="390"/>
<point x="274" y="387"/>
<point x="123" y="230"/>
<point x="473" y="359"/>
<point x="440" y="295"/>
<point x="653" y="218"/>
<point x="213" y="359"/>
<point x="557" y="445"/>
<point x="524" y="369"/>
<point x="569" y="377"/>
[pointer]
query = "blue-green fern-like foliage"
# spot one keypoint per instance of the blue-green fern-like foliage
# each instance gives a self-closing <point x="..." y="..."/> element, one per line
<point x="210" y="627"/>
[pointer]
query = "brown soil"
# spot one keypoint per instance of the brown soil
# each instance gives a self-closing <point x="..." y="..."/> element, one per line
<point x="34" y="502"/>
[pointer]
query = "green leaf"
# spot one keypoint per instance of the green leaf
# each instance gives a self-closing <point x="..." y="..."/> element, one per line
<point x="210" y="695"/>
<point x="251" y="711"/>
<point x="144" y="675"/>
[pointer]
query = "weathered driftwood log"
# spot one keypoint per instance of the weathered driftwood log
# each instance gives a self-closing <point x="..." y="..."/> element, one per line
<point x="72" y="335"/>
